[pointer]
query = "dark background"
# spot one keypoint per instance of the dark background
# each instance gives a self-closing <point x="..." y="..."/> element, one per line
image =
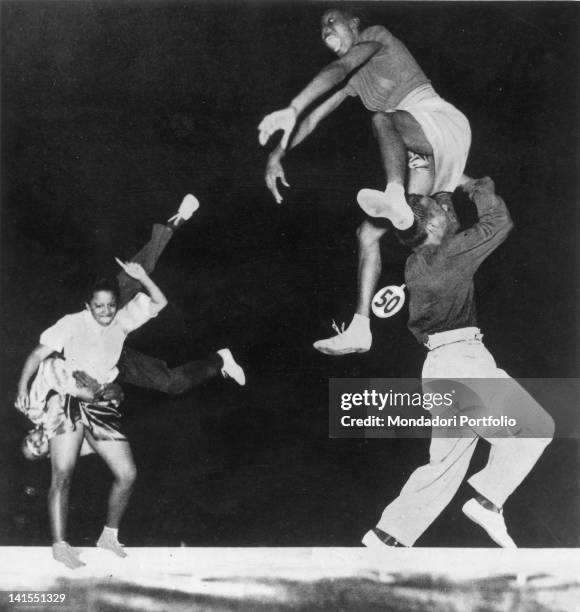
<point x="112" y="111"/>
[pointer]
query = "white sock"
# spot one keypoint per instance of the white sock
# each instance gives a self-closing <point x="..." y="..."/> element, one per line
<point x="360" y="322"/>
<point x="395" y="191"/>
<point x="111" y="531"/>
<point x="405" y="217"/>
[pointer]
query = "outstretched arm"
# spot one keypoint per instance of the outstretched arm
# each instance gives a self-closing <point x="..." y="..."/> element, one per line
<point x="334" y="74"/>
<point x="327" y="79"/>
<point x="274" y="169"/>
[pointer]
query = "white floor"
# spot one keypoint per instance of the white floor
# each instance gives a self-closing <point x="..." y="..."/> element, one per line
<point x="192" y="570"/>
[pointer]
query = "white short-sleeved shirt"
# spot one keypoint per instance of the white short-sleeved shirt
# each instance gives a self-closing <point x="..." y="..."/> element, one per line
<point x="93" y="348"/>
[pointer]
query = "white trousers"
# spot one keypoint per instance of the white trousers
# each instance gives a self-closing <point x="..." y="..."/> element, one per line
<point x="513" y="451"/>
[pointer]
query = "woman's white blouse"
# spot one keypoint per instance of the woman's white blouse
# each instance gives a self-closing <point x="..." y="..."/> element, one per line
<point x="93" y="348"/>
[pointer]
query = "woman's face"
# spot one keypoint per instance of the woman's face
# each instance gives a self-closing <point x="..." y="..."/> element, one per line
<point x="103" y="307"/>
<point x="35" y="445"/>
<point x="339" y="32"/>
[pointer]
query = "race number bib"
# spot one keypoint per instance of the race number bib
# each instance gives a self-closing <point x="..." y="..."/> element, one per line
<point x="388" y="301"/>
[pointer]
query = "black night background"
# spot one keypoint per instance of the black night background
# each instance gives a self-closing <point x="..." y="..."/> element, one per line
<point x="113" y="111"/>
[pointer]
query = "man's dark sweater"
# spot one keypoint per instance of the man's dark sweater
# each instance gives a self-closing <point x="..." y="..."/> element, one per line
<point x="440" y="277"/>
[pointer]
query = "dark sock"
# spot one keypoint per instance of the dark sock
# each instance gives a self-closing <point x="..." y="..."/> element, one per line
<point x="386" y="538"/>
<point x="483" y="501"/>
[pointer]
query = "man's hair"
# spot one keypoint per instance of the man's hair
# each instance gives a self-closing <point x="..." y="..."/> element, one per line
<point x="352" y="10"/>
<point x="424" y="209"/>
<point x="103" y="284"/>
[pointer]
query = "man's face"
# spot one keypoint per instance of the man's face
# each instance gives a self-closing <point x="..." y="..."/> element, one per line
<point x="103" y="307"/>
<point x="436" y="226"/>
<point x="339" y="33"/>
<point x="35" y="446"/>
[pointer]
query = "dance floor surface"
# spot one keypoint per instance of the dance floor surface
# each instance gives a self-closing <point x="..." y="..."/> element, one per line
<point x="296" y="579"/>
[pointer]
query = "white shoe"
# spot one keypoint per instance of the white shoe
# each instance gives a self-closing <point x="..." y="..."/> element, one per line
<point x="231" y="369"/>
<point x="492" y="522"/>
<point x="378" y="204"/>
<point x="351" y="340"/>
<point x="186" y="209"/>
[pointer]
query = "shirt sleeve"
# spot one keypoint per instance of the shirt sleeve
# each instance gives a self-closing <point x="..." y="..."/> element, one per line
<point x="137" y="312"/>
<point x="492" y="228"/>
<point x="56" y="336"/>
<point x="349" y="90"/>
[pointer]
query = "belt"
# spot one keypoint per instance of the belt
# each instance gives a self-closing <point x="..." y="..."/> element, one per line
<point x="450" y="337"/>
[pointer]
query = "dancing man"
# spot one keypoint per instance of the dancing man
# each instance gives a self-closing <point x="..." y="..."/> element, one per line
<point x="423" y="140"/>
<point x="439" y="277"/>
<point x="149" y="372"/>
<point x="134" y="367"/>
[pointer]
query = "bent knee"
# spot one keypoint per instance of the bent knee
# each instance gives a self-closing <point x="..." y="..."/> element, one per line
<point x="551" y="427"/>
<point x="548" y="429"/>
<point x="177" y="385"/>
<point x="127" y="475"/>
<point x="168" y="383"/>
<point x="381" y="121"/>
<point x="543" y="429"/>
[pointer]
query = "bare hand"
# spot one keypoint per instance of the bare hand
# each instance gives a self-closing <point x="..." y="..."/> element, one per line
<point x="284" y="120"/>
<point x="275" y="171"/>
<point x="22" y="401"/>
<point x="85" y="381"/>
<point x="134" y="270"/>
<point x="472" y="186"/>
<point x="112" y="393"/>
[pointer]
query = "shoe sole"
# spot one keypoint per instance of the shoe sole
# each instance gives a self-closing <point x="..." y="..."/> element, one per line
<point x="475" y="519"/>
<point x="338" y="353"/>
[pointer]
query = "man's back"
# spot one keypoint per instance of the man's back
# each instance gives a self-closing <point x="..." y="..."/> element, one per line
<point x="440" y="277"/>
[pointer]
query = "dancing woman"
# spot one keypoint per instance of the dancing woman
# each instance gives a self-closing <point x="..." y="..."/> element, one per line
<point x="91" y="342"/>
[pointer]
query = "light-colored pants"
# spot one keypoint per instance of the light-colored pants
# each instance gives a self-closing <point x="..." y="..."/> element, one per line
<point x="513" y="452"/>
<point x="446" y="129"/>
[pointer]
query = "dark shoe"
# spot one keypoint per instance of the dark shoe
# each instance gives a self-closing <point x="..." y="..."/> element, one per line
<point x="378" y="539"/>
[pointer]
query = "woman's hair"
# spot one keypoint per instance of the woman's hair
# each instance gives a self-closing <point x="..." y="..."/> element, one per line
<point x="103" y="284"/>
<point x="352" y="10"/>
